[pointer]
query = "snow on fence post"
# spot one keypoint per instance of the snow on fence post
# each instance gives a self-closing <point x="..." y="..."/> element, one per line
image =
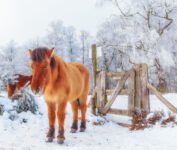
<point x="101" y="89"/>
<point x="94" y="71"/>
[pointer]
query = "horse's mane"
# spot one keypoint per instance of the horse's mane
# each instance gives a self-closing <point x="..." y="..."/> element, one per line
<point x="39" y="54"/>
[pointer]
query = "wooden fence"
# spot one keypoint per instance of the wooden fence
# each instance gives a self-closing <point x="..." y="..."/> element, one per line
<point x="138" y="96"/>
<point x="137" y="91"/>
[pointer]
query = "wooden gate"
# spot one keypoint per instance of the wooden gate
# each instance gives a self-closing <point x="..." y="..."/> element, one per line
<point x="138" y="96"/>
<point x="138" y="90"/>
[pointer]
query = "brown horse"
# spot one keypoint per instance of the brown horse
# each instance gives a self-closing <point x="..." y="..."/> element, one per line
<point x="59" y="82"/>
<point x="21" y="80"/>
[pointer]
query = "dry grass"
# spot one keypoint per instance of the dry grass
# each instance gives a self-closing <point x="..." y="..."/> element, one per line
<point x="157" y="116"/>
<point x="171" y="119"/>
<point x="140" y="121"/>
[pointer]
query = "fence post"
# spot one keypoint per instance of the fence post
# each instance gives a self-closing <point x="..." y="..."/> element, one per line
<point x="137" y="89"/>
<point x="131" y="93"/>
<point x="94" y="70"/>
<point x="142" y="104"/>
<point x="144" y="90"/>
<point x="101" y="89"/>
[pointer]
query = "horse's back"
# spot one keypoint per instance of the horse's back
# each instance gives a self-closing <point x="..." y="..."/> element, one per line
<point x="83" y="76"/>
<point x="82" y="70"/>
<point x="80" y="67"/>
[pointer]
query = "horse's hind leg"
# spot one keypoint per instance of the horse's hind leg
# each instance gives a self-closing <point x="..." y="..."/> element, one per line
<point x="74" y="107"/>
<point x="83" y="107"/>
<point x="51" y="116"/>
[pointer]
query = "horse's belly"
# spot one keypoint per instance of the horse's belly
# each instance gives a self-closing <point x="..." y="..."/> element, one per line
<point x="49" y="98"/>
<point x="76" y="92"/>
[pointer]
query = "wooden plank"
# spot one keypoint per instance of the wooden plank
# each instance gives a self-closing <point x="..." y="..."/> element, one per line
<point x="161" y="98"/>
<point x="115" y="74"/>
<point x="116" y="77"/>
<point x="92" y="97"/>
<point x="131" y="94"/>
<point x="124" y="125"/>
<point x="118" y="111"/>
<point x="116" y="92"/>
<point x="144" y="90"/>
<point x="122" y="92"/>
<point x="94" y="70"/>
<point x="137" y="89"/>
<point x="98" y="83"/>
<point x="101" y="89"/>
<point x="92" y="102"/>
<point x="94" y="64"/>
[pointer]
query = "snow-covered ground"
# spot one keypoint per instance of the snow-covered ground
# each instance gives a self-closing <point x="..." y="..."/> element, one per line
<point x="17" y="135"/>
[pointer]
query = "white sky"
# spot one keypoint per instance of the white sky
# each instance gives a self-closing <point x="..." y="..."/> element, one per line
<point x="22" y="20"/>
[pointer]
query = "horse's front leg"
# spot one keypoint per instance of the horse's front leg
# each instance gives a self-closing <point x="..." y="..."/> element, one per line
<point x="74" y="107"/>
<point x="51" y="116"/>
<point x="61" y="119"/>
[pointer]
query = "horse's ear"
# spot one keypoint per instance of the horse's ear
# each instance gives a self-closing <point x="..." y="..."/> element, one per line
<point x="30" y="52"/>
<point x="50" y="52"/>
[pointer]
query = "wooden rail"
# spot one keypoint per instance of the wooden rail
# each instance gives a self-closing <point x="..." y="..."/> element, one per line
<point x="118" y="111"/>
<point x="115" y="74"/>
<point x="161" y="98"/>
<point x="122" y="92"/>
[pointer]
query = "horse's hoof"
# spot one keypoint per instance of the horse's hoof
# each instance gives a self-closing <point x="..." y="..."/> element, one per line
<point x="82" y="129"/>
<point x="60" y="141"/>
<point x="73" y="130"/>
<point x="49" y="140"/>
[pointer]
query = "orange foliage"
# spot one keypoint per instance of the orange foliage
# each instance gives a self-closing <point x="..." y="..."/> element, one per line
<point x="21" y="81"/>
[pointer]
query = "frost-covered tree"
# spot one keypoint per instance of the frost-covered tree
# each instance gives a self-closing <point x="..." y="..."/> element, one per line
<point x="14" y="60"/>
<point x="64" y="39"/>
<point x="71" y="44"/>
<point x="8" y="63"/>
<point x="8" y="54"/>
<point x="142" y="31"/>
<point x="55" y="37"/>
<point x="85" y="43"/>
<point x="86" y="40"/>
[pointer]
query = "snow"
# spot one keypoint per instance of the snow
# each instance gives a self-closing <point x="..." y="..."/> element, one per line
<point x="16" y="135"/>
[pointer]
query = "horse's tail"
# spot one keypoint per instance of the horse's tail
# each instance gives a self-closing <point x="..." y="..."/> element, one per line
<point x="78" y="102"/>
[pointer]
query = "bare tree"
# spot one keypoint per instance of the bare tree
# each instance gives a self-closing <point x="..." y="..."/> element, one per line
<point x="85" y="41"/>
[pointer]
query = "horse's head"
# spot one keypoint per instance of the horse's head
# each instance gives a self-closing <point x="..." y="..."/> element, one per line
<point x="41" y="64"/>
